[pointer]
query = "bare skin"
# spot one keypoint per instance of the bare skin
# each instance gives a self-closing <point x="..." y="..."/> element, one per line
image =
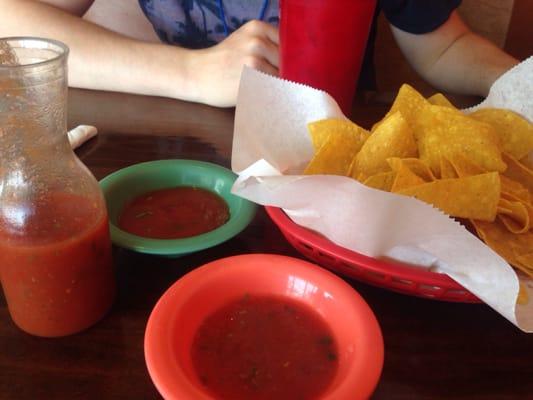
<point x="101" y="59"/>
<point x="451" y="58"/>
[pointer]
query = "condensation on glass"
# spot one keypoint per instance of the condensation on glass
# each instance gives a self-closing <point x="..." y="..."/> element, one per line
<point x="55" y="252"/>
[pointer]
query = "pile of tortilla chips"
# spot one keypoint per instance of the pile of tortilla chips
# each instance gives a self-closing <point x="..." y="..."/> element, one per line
<point x="473" y="167"/>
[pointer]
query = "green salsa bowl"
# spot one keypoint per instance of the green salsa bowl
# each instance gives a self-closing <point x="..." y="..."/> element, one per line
<point x="124" y="185"/>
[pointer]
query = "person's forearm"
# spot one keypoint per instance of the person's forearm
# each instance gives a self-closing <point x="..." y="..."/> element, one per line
<point x="100" y="59"/>
<point x="453" y="58"/>
<point x="469" y="66"/>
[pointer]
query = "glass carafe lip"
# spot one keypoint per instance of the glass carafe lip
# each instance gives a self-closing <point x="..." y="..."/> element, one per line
<point x="62" y="52"/>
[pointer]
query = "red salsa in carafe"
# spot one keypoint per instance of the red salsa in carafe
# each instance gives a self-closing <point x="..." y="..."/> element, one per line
<point x="57" y="272"/>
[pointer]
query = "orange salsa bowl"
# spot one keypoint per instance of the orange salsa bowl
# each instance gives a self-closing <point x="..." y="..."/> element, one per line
<point x="179" y="314"/>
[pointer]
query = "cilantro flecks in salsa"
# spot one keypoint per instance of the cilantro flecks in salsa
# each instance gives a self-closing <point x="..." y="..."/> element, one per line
<point x="174" y="213"/>
<point x="265" y="348"/>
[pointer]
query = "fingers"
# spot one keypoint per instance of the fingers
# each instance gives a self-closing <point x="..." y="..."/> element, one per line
<point x="264" y="48"/>
<point x="263" y="29"/>
<point x="219" y="67"/>
<point x="262" y="65"/>
<point x="262" y="40"/>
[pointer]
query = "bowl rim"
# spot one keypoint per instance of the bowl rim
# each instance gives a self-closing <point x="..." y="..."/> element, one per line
<point x="168" y="247"/>
<point x="391" y="270"/>
<point x="165" y="371"/>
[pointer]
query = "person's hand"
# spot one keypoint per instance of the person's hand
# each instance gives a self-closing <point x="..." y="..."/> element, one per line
<point x="101" y="59"/>
<point x="217" y="70"/>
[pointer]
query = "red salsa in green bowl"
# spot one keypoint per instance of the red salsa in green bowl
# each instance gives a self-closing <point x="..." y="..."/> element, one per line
<point x="174" y="213"/>
<point x="261" y="327"/>
<point x="174" y="207"/>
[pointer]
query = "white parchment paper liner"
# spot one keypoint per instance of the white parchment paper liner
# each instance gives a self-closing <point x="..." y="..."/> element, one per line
<point x="271" y="146"/>
<point x="80" y="134"/>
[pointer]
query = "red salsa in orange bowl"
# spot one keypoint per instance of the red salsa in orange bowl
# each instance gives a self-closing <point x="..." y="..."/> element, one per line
<point x="263" y="327"/>
<point x="174" y="207"/>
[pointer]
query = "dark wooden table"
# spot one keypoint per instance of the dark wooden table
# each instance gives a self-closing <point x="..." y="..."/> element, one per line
<point x="433" y="350"/>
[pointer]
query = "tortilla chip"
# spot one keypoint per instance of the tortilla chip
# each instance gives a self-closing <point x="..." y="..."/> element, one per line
<point x="522" y="297"/>
<point x="393" y="138"/>
<point x="471" y="197"/>
<point x="320" y="130"/>
<point x="438" y="99"/>
<point x="430" y="150"/>
<point x="447" y="170"/>
<point x="465" y="167"/>
<point x="527" y="161"/>
<point x="511" y="197"/>
<point x="419" y="168"/>
<point x="405" y="178"/>
<point x="337" y="153"/>
<point x="512" y="225"/>
<point x="514" y="190"/>
<point x="516" y="249"/>
<point x="514" y="215"/>
<point x="515" y="132"/>
<point x="408" y="102"/>
<point x="525" y="262"/>
<point x="381" y="181"/>
<point x="518" y="172"/>
<point x="443" y="132"/>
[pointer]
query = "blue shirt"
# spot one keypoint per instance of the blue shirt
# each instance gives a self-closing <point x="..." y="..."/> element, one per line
<point x="198" y="24"/>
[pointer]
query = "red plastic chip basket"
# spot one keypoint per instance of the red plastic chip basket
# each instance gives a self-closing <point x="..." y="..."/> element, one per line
<point x="390" y="275"/>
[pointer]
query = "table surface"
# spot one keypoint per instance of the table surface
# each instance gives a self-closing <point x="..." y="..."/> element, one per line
<point x="433" y="350"/>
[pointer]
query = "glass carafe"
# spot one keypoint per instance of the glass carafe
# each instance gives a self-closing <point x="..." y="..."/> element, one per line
<point x="55" y="252"/>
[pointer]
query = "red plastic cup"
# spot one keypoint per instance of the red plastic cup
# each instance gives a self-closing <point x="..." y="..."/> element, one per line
<point x="323" y="44"/>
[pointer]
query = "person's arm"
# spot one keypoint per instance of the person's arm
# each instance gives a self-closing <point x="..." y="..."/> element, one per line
<point x="74" y="7"/>
<point x="100" y="59"/>
<point x="453" y="58"/>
